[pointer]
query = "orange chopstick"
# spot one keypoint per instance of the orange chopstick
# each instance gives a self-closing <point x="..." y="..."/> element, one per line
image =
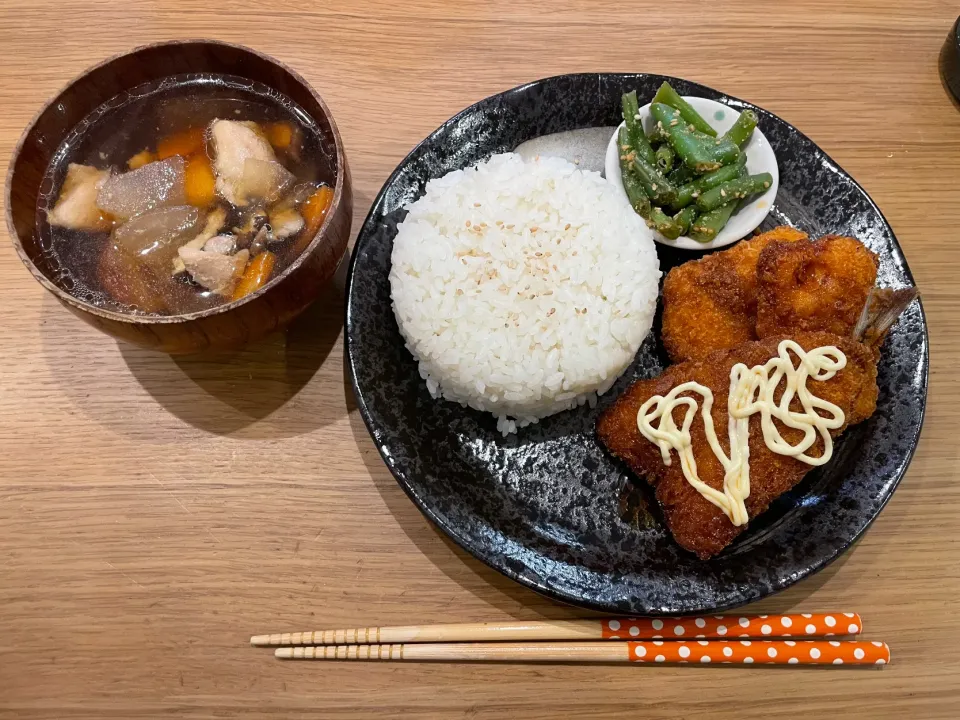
<point x="734" y="626"/>
<point x="804" y="625"/>
<point x="742" y="652"/>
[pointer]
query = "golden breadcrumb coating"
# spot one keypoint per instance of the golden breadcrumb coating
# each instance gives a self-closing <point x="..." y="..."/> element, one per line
<point x="697" y="524"/>
<point x="819" y="285"/>
<point x="711" y="303"/>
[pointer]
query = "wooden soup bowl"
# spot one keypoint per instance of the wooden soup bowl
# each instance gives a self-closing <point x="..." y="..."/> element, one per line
<point x="227" y="326"/>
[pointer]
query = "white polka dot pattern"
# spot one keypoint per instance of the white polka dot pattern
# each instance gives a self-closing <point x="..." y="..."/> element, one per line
<point x="770" y="652"/>
<point x="718" y="626"/>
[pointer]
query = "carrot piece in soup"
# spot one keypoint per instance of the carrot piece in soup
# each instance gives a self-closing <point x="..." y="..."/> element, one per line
<point x="199" y="181"/>
<point x="315" y="208"/>
<point x="140" y="159"/>
<point x="256" y="275"/>
<point x="280" y="134"/>
<point x="184" y="143"/>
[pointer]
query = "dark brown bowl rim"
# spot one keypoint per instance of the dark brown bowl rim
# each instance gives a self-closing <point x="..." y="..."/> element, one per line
<point x="64" y="296"/>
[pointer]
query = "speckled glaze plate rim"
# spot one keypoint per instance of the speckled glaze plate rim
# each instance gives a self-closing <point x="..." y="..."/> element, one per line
<point x="451" y="530"/>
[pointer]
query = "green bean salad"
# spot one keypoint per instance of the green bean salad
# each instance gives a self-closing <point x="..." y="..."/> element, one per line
<point x="681" y="177"/>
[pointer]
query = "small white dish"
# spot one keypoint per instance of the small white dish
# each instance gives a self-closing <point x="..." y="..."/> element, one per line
<point x="760" y="158"/>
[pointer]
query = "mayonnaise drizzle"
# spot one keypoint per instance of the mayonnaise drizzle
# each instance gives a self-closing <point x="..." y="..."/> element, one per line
<point x="751" y="391"/>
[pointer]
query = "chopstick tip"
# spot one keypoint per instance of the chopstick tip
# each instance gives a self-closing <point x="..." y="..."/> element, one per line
<point x="260" y="640"/>
<point x="284" y="653"/>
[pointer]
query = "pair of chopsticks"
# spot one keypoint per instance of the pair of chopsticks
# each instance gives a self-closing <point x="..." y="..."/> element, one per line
<point x="742" y="639"/>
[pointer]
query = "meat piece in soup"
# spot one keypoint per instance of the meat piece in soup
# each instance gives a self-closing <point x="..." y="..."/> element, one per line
<point x="77" y="206"/>
<point x="234" y="143"/>
<point x="223" y="244"/>
<point x="216" y="219"/>
<point x="215" y="271"/>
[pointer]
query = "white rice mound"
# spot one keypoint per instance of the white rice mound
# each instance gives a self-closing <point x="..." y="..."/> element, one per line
<point x="523" y="288"/>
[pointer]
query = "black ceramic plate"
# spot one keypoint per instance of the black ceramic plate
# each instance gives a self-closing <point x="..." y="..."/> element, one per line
<point x="548" y="506"/>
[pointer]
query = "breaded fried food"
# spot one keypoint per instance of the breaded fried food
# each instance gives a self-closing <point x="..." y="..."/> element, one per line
<point x="711" y="303"/>
<point x="820" y="285"/>
<point x="697" y="524"/>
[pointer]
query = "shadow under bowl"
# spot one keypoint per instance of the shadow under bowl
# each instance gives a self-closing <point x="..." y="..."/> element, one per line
<point x="226" y="326"/>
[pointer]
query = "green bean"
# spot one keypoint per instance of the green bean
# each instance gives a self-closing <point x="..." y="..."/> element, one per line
<point x="668" y="96"/>
<point x="663" y="224"/>
<point x="638" y="198"/>
<point x="708" y="226"/>
<point x="655" y="186"/>
<point x="690" y="191"/>
<point x="680" y="174"/>
<point x="717" y="177"/>
<point x="686" y="194"/>
<point x="624" y="146"/>
<point x="660" y="190"/>
<point x="685" y="218"/>
<point x="631" y="185"/>
<point x="654" y="135"/>
<point x="741" y="160"/>
<point x="665" y="157"/>
<point x="631" y="113"/>
<point x="733" y="190"/>
<point x="743" y="128"/>
<point x="697" y="152"/>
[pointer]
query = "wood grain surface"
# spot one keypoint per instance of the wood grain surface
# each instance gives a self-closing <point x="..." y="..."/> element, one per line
<point x="154" y="513"/>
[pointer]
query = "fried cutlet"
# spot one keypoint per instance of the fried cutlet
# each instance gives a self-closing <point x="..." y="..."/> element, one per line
<point x="697" y="524"/>
<point x="820" y="285"/>
<point x="711" y="303"/>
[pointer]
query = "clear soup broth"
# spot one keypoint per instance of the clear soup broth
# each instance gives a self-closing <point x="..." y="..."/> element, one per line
<point x="183" y="194"/>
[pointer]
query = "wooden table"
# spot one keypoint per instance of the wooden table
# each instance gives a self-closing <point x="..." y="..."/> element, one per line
<point x="155" y="512"/>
